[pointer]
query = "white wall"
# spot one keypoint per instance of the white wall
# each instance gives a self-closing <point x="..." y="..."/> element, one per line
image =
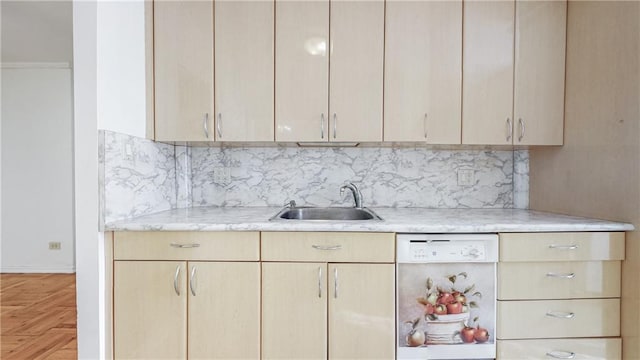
<point x="121" y="67"/>
<point x="109" y="83"/>
<point x="90" y="266"/>
<point x="37" y="170"/>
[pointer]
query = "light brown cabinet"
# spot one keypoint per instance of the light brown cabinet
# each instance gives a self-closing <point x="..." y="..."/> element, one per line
<point x="191" y="308"/>
<point x="183" y="70"/>
<point x="322" y="309"/>
<point x="314" y="103"/>
<point x="538" y="107"/>
<point x="423" y="71"/>
<point x="509" y="100"/>
<point x="244" y="73"/>
<point x="559" y="286"/>
<point x="149" y="310"/>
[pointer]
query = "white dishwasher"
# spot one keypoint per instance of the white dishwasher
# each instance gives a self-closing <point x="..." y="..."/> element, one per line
<point x="446" y="296"/>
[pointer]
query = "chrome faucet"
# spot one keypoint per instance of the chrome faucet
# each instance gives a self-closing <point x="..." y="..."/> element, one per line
<point x="357" y="195"/>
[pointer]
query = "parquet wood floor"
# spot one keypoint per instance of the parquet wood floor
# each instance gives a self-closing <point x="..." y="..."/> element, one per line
<point x="38" y="316"/>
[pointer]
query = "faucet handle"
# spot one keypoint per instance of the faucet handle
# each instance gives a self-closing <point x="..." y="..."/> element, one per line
<point x="290" y="203"/>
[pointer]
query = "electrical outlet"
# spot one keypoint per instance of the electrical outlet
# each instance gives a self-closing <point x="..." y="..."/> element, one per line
<point x="55" y="245"/>
<point x="222" y="175"/>
<point x="127" y="152"/>
<point x="466" y="177"/>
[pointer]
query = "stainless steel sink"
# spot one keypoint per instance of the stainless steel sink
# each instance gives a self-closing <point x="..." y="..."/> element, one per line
<point x="326" y="214"/>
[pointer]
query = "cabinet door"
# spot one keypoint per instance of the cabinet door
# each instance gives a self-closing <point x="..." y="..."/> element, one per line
<point x="423" y="71"/>
<point x="487" y="98"/>
<point x="302" y="70"/>
<point x="294" y="311"/>
<point x="356" y="76"/>
<point x="244" y="70"/>
<point x="224" y="310"/>
<point x="361" y="311"/>
<point x="539" y="72"/>
<point x="183" y="46"/>
<point x="150" y="310"/>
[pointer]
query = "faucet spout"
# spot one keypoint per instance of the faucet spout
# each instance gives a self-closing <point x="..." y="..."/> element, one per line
<point x="357" y="195"/>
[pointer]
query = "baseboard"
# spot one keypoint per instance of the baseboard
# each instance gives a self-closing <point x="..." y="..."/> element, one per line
<point x="38" y="269"/>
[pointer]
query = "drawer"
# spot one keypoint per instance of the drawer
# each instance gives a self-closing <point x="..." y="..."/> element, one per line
<point x="558" y="318"/>
<point x="560" y="349"/>
<point x="578" y="246"/>
<point x="328" y="247"/>
<point x="558" y="280"/>
<point x="187" y="245"/>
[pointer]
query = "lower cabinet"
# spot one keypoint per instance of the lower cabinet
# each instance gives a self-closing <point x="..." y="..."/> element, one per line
<point x="576" y="349"/>
<point x="150" y="310"/>
<point x="559" y="295"/>
<point x="186" y="309"/>
<point x="327" y="310"/>
<point x="328" y="295"/>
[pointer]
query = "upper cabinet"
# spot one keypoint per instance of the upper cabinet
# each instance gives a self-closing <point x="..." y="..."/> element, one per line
<point x="423" y="71"/>
<point x="183" y="68"/>
<point x="538" y="106"/>
<point x="436" y="72"/>
<point x="356" y="70"/>
<point x="308" y="108"/>
<point x="487" y="98"/>
<point x="513" y="101"/>
<point x="302" y="70"/>
<point x="244" y="70"/>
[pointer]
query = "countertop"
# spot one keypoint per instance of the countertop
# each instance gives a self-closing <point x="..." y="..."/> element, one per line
<point x="411" y="220"/>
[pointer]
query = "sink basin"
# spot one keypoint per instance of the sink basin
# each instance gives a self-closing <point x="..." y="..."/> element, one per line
<point x="325" y="213"/>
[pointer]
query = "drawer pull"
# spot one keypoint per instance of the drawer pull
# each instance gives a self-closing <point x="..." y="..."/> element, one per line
<point x="320" y="282"/>
<point x="335" y="283"/>
<point x="563" y="247"/>
<point x="560" y="314"/>
<point x="176" y="288"/>
<point x="184" y="246"/>
<point x="192" y="281"/>
<point x="320" y="247"/>
<point x="561" y="354"/>
<point x="562" y="276"/>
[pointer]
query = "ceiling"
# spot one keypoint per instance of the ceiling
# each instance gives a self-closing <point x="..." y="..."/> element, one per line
<point x="36" y="31"/>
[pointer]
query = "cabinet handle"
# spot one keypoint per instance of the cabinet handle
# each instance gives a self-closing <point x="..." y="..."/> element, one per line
<point x="335" y="283"/>
<point x="322" y="126"/>
<point x="562" y="276"/>
<point x="219" y="125"/>
<point x="522" y="128"/>
<point x="205" y="124"/>
<point x="192" y="281"/>
<point x="335" y="125"/>
<point x="320" y="282"/>
<point x="321" y="247"/>
<point x="561" y="354"/>
<point x="509" y="129"/>
<point x="175" y="281"/>
<point x="563" y="247"/>
<point x="560" y="314"/>
<point x="424" y="124"/>
<point x="184" y="246"/>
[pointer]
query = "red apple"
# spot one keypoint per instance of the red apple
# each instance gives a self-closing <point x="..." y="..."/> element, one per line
<point x="445" y="298"/>
<point x="481" y="335"/>
<point x="467" y="334"/>
<point x="440" y="309"/>
<point x="429" y="309"/>
<point x="454" y="308"/>
<point x="459" y="297"/>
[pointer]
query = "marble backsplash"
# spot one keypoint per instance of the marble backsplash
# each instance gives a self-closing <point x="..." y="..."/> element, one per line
<point x="137" y="176"/>
<point x="141" y="176"/>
